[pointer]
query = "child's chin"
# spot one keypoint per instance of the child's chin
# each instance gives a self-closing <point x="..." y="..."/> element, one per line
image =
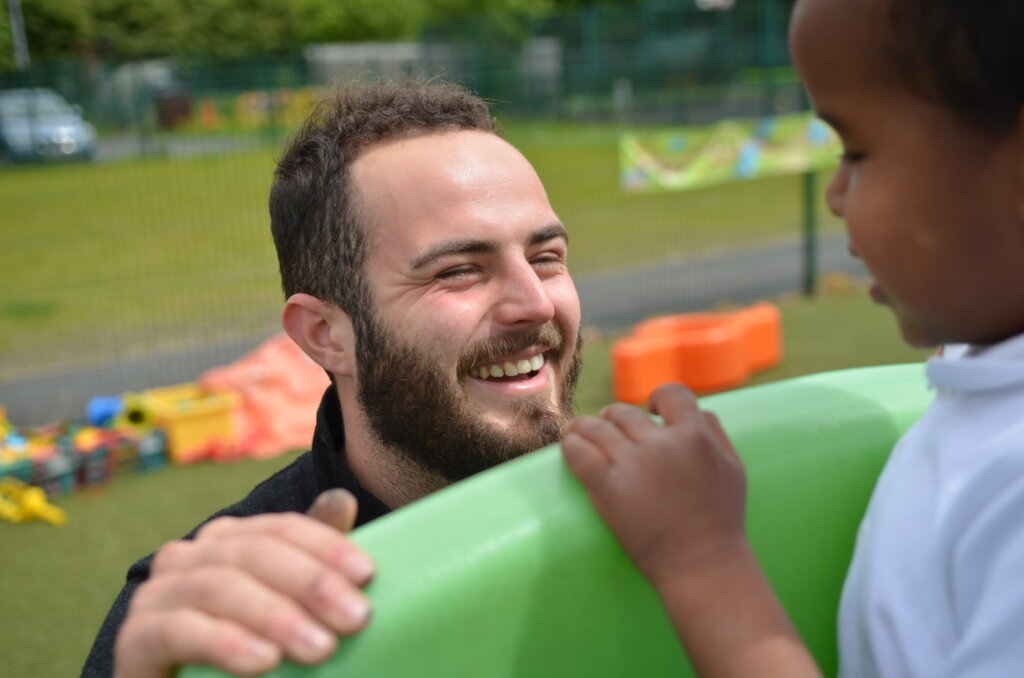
<point x="917" y="336"/>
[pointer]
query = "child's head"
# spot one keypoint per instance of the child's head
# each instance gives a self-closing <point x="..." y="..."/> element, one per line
<point x="927" y="97"/>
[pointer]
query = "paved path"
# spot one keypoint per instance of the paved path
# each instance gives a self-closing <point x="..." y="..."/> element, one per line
<point x="610" y="302"/>
<point x="740" y="276"/>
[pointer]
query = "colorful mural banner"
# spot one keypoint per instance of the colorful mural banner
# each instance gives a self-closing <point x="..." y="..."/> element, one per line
<point x="730" y="150"/>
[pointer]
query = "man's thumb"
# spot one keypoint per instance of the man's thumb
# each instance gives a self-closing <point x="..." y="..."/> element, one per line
<point x="336" y="508"/>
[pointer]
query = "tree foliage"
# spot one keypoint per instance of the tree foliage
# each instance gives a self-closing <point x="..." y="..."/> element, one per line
<point x="6" y="42"/>
<point x="131" y="29"/>
<point x="56" y="28"/>
<point x="235" y="28"/>
<point x="319" y="21"/>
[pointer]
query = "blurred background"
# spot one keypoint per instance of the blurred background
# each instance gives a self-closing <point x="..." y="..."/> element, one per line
<point x="138" y="140"/>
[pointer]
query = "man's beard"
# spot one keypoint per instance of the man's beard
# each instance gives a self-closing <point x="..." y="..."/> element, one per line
<point x="424" y="413"/>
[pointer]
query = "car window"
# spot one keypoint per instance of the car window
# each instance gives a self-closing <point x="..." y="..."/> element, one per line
<point x="23" y="104"/>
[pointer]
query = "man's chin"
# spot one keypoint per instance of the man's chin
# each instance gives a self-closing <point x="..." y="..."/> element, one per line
<point x="516" y="418"/>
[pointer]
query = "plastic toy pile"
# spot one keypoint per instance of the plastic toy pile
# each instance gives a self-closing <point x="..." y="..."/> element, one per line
<point x="61" y="458"/>
<point x="262" y="405"/>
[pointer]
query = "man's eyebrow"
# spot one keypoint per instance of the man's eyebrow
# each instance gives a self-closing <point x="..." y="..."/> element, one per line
<point x="451" y="247"/>
<point x="549" y="233"/>
<point x="454" y="247"/>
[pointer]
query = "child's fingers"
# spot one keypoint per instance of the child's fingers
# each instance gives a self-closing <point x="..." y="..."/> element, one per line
<point x="602" y="433"/>
<point x="587" y="461"/>
<point x="719" y="433"/>
<point x="673" y="403"/>
<point x="633" y="422"/>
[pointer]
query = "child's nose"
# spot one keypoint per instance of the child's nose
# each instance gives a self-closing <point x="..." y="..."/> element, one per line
<point x="835" y="192"/>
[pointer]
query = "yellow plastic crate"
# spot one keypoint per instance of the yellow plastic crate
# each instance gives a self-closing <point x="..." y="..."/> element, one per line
<point x="197" y="422"/>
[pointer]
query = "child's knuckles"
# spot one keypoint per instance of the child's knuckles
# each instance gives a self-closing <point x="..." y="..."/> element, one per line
<point x="617" y="411"/>
<point x="672" y="393"/>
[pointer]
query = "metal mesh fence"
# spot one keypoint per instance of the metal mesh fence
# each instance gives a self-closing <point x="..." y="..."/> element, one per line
<point x="153" y="261"/>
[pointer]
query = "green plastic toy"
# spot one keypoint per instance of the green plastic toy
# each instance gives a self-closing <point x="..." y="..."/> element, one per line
<point x="512" y="574"/>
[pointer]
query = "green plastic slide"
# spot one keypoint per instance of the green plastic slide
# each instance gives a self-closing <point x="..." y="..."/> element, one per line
<point x="511" y="573"/>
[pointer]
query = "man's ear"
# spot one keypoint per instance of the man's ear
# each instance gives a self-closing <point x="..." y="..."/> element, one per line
<point x="323" y="331"/>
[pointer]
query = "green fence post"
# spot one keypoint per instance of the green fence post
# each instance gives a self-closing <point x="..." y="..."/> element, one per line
<point x="810" y="232"/>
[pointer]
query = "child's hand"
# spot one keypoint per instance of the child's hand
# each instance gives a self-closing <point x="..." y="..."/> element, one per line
<point x="673" y="494"/>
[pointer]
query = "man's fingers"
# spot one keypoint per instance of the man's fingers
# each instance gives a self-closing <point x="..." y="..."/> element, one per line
<point x="328" y="594"/>
<point x="316" y="538"/>
<point x="151" y="645"/>
<point x="673" y="403"/>
<point x="227" y="593"/>
<point x="337" y="508"/>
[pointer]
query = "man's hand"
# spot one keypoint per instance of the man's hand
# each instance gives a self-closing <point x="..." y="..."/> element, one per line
<point x="247" y="592"/>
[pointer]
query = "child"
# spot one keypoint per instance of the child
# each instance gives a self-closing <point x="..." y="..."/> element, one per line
<point x="927" y="98"/>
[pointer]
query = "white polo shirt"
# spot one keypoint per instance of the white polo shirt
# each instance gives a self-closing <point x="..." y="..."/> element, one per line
<point x="936" y="587"/>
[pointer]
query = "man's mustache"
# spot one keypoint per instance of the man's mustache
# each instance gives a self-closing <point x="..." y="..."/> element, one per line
<point x="489" y="350"/>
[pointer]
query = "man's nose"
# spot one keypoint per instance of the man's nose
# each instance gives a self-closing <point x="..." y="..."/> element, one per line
<point x="523" y="299"/>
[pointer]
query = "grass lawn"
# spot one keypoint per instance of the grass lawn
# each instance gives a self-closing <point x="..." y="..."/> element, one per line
<point x="122" y="260"/>
<point x="59" y="582"/>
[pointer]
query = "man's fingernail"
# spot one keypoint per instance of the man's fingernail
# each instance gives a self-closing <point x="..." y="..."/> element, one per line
<point x="359" y="566"/>
<point x="315" y="638"/>
<point x="355" y="607"/>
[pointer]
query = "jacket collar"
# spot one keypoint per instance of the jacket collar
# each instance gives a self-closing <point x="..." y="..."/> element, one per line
<point x="329" y="458"/>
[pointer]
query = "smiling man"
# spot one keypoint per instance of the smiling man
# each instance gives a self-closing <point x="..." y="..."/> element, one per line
<point x="425" y="270"/>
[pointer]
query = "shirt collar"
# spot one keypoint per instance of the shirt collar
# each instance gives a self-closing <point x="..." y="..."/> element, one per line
<point x="961" y="367"/>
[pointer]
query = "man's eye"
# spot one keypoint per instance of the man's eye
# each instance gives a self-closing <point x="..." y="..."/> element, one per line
<point x="851" y="156"/>
<point x="548" y="260"/>
<point x="453" y="273"/>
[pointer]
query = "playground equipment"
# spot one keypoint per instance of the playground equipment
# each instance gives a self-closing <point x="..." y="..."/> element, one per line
<point x="706" y="351"/>
<point x="512" y="574"/>
<point x="20" y="502"/>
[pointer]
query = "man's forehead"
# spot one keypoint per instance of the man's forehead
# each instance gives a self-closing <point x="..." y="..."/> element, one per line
<point x="432" y="149"/>
<point x="448" y="191"/>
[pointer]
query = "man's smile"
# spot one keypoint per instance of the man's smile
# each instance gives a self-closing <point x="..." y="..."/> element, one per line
<point x="512" y="367"/>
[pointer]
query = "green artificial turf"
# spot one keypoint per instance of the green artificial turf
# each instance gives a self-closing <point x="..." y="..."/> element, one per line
<point x="57" y="583"/>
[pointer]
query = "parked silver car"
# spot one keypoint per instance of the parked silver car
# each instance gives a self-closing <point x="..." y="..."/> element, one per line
<point x="38" y="124"/>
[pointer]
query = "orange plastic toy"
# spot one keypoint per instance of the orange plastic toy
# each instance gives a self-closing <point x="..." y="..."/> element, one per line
<point x="706" y="351"/>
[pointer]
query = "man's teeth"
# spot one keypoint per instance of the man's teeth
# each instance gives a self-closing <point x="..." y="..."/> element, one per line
<point x="509" y="368"/>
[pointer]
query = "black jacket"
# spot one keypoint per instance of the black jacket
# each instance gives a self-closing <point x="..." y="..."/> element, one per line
<point x="293" y="488"/>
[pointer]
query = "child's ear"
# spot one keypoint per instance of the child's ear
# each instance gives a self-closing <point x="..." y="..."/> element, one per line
<point x="323" y="331"/>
